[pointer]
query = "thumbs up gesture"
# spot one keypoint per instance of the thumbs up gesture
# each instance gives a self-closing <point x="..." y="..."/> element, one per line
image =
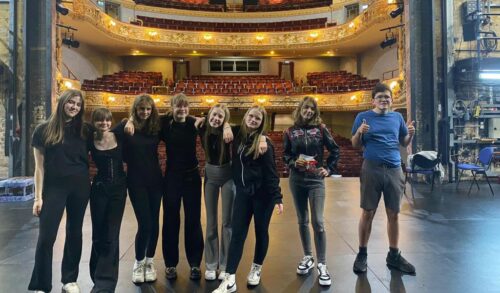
<point x="364" y="127"/>
<point x="410" y="124"/>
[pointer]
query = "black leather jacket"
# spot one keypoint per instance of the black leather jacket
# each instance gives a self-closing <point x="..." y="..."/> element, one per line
<point x="310" y="140"/>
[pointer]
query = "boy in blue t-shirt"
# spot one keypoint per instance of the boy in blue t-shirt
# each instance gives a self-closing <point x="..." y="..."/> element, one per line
<point x="380" y="132"/>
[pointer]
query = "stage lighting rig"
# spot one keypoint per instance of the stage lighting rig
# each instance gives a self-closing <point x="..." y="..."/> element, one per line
<point x="68" y="37"/>
<point x="390" y="40"/>
<point x="60" y="8"/>
<point x="397" y="12"/>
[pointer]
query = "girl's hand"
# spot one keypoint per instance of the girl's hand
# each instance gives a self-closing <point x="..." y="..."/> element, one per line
<point x="129" y="128"/>
<point x="227" y="134"/>
<point x="200" y="121"/>
<point x="37" y="207"/>
<point x="262" y="147"/>
<point x="322" y="172"/>
<point x="279" y="207"/>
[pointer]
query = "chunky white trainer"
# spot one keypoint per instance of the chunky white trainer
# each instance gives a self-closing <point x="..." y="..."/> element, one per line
<point x="228" y="285"/>
<point x="253" y="278"/>
<point x="305" y="265"/>
<point x="71" y="288"/>
<point x="324" y="276"/>
<point x="149" y="271"/>
<point x="138" y="271"/>
<point x="222" y="275"/>
<point x="210" y="275"/>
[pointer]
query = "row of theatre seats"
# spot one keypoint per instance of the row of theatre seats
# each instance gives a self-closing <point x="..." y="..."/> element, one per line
<point x="234" y="86"/>
<point x="125" y="82"/>
<point x="174" y="24"/>
<point x="263" y="6"/>
<point x="187" y="5"/>
<point x="136" y="82"/>
<point x="287" y="5"/>
<point x="349" y="164"/>
<point x="339" y="81"/>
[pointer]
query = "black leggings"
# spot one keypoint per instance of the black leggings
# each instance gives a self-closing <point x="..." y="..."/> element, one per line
<point x="185" y="186"/>
<point x="245" y="206"/>
<point x="146" y="201"/>
<point x="70" y="192"/>
<point x="107" y="202"/>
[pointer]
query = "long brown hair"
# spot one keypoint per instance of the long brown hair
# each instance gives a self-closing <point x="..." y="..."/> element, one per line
<point x="100" y="114"/>
<point x="54" y="132"/>
<point x="209" y="129"/>
<point x="150" y="125"/>
<point x="244" y="131"/>
<point x="297" y="118"/>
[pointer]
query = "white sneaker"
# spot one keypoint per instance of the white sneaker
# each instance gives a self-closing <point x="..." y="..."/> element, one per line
<point x="253" y="278"/>
<point x="149" y="271"/>
<point x="324" y="276"/>
<point x="71" y="288"/>
<point x="305" y="265"/>
<point x="138" y="272"/>
<point x="228" y="285"/>
<point x="222" y="275"/>
<point x="210" y="275"/>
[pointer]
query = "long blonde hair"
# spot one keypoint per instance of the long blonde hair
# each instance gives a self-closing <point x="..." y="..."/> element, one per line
<point x="150" y="125"/>
<point x="244" y="131"/>
<point x="54" y="132"/>
<point x="297" y="118"/>
<point x="209" y="129"/>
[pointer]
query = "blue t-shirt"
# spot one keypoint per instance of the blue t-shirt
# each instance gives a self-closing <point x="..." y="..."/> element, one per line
<point x="381" y="142"/>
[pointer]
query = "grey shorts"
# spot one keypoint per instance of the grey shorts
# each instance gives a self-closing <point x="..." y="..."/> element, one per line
<point x="377" y="178"/>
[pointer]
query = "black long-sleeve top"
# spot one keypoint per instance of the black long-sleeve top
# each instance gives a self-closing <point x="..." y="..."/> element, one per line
<point x="259" y="175"/>
<point x="310" y="140"/>
<point x="140" y="152"/>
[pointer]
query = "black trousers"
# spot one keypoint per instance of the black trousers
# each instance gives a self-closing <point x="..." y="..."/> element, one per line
<point x="70" y="193"/>
<point x="185" y="186"/>
<point x="146" y="201"/>
<point x="107" y="203"/>
<point x="245" y="206"/>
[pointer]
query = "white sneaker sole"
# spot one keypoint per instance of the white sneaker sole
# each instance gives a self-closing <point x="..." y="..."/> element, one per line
<point x="304" y="272"/>
<point x="150" y="279"/>
<point x="253" y="283"/>
<point x="325" y="283"/>
<point x="210" y="278"/>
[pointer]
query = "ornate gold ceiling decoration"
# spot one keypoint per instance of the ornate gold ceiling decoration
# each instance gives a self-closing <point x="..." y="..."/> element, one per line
<point x="378" y="12"/>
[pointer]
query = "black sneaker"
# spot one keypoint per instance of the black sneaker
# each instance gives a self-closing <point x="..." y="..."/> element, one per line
<point x="171" y="273"/>
<point x="400" y="263"/>
<point x="359" y="266"/>
<point x="305" y="265"/>
<point x="195" y="273"/>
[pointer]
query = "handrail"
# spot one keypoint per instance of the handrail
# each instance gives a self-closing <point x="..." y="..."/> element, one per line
<point x="392" y="72"/>
<point x="71" y="75"/>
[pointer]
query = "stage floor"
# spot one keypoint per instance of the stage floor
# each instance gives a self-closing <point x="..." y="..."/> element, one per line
<point x="452" y="240"/>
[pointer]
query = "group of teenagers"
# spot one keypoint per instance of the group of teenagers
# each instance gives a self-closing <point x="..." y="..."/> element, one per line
<point x="240" y="169"/>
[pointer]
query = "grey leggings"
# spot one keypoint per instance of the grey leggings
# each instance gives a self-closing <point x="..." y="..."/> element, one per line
<point x="310" y="189"/>
<point x="218" y="178"/>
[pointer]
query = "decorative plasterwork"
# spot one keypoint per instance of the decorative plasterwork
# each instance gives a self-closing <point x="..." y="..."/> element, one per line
<point x="378" y="12"/>
<point x="337" y="5"/>
<point x="352" y="101"/>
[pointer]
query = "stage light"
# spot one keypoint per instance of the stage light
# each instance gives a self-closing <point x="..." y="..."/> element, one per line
<point x="390" y="40"/>
<point x="61" y="9"/>
<point x="397" y="12"/>
<point x="70" y="41"/>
